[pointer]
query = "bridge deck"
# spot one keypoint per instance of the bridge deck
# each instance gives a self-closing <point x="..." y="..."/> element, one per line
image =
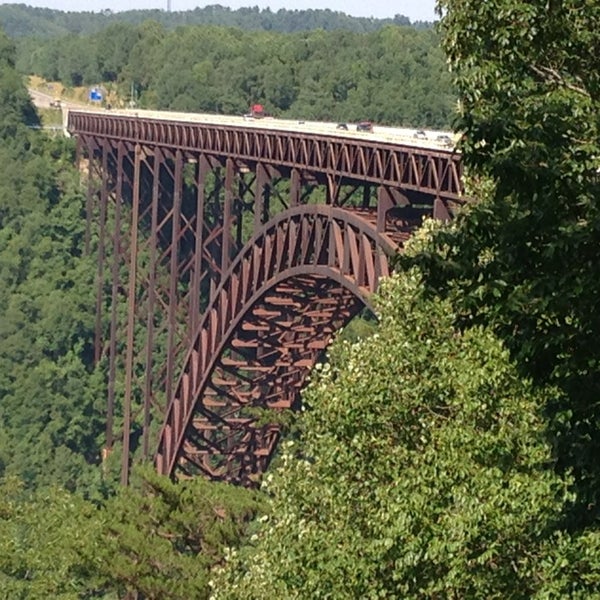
<point x="434" y="139"/>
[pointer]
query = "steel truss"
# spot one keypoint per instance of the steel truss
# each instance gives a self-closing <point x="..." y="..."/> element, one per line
<point x="227" y="259"/>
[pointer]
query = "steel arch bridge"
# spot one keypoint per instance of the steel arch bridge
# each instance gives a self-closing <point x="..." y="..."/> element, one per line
<point x="229" y="254"/>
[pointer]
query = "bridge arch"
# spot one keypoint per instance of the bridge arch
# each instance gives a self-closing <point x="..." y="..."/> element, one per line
<point x="300" y="278"/>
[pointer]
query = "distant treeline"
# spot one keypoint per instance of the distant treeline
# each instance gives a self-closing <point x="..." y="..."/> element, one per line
<point x="395" y="75"/>
<point x="19" y="20"/>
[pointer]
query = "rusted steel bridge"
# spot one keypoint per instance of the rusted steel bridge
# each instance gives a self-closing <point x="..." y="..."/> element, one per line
<point x="228" y="255"/>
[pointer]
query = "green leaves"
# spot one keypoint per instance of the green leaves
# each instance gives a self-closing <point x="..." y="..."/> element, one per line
<point x="45" y="540"/>
<point x="50" y="395"/>
<point x="528" y="80"/>
<point x="161" y="539"/>
<point x="156" y="538"/>
<point x="423" y="471"/>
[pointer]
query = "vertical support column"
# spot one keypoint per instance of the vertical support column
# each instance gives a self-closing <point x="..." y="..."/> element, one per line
<point x="174" y="274"/>
<point x="148" y="376"/>
<point x="196" y="277"/>
<point x="89" y="195"/>
<point x="101" y="255"/>
<point x="112" y="361"/>
<point x="238" y="208"/>
<point x="366" y="196"/>
<point x="333" y="190"/>
<point x="261" y="192"/>
<point x="267" y="204"/>
<point x="227" y="217"/>
<point x="215" y="200"/>
<point x="262" y="181"/>
<point x="384" y="203"/>
<point x="131" y="290"/>
<point x="295" y="187"/>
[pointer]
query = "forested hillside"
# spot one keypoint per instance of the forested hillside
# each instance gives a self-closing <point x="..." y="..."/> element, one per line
<point x="20" y="20"/>
<point x="396" y="75"/>
<point x="64" y="532"/>
<point x="50" y="395"/>
<point x="453" y="453"/>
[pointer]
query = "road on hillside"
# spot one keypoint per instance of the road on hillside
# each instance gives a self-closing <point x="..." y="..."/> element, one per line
<point x="44" y="100"/>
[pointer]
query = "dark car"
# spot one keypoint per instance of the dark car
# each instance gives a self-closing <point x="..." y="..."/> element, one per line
<point x="342" y="126"/>
<point x="445" y="140"/>
<point x="364" y="126"/>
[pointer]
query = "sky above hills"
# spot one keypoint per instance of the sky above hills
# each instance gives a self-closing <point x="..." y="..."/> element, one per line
<point x="415" y="10"/>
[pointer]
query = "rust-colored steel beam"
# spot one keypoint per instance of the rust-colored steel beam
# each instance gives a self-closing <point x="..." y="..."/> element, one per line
<point x="101" y="250"/>
<point x="131" y="313"/>
<point x="310" y="269"/>
<point x="233" y="278"/>
<point x="434" y="172"/>
<point x="115" y="279"/>
<point x="151" y="306"/>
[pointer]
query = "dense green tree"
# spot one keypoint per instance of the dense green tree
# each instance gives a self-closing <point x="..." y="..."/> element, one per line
<point x="16" y="109"/>
<point x="50" y="395"/>
<point x="113" y="48"/>
<point x="530" y="97"/>
<point x="424" y="471"/>
<point x="74" y="60"/>
<point x="44" y="55"/>
<point x="162" y="539"/>
<point x="51" y="408"/>
<point x="156" y="538"/>
<point x="524" y="257"/>
<point x="49" y="544"/>
<point x="20" y="20"/>
<point x="144" y="55"/>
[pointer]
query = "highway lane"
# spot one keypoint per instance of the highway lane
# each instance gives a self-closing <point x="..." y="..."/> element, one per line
<point x="432" y="139"/>
<point x="46" y="100"/>
<point x="439" y="140"/>
<point x="40" y="99"/>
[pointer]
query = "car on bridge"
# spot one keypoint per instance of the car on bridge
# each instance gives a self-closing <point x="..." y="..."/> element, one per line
<point x="365" y="126"/>
<point x="445" y="140"/>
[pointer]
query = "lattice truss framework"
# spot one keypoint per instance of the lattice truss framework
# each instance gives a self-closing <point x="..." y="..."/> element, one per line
<point x="220" y="282"/>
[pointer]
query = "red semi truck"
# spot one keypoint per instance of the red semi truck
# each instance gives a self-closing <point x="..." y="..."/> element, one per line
<point x="257" y="111"/>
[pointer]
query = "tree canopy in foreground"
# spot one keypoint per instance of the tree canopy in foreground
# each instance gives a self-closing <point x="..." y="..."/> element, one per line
<point x="424" y="472"/>
<point x="524" y="257"/>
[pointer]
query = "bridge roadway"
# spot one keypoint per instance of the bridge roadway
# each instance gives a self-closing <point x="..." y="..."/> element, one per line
<point x="234" y="271"/>
<point x="406" y="136"/>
